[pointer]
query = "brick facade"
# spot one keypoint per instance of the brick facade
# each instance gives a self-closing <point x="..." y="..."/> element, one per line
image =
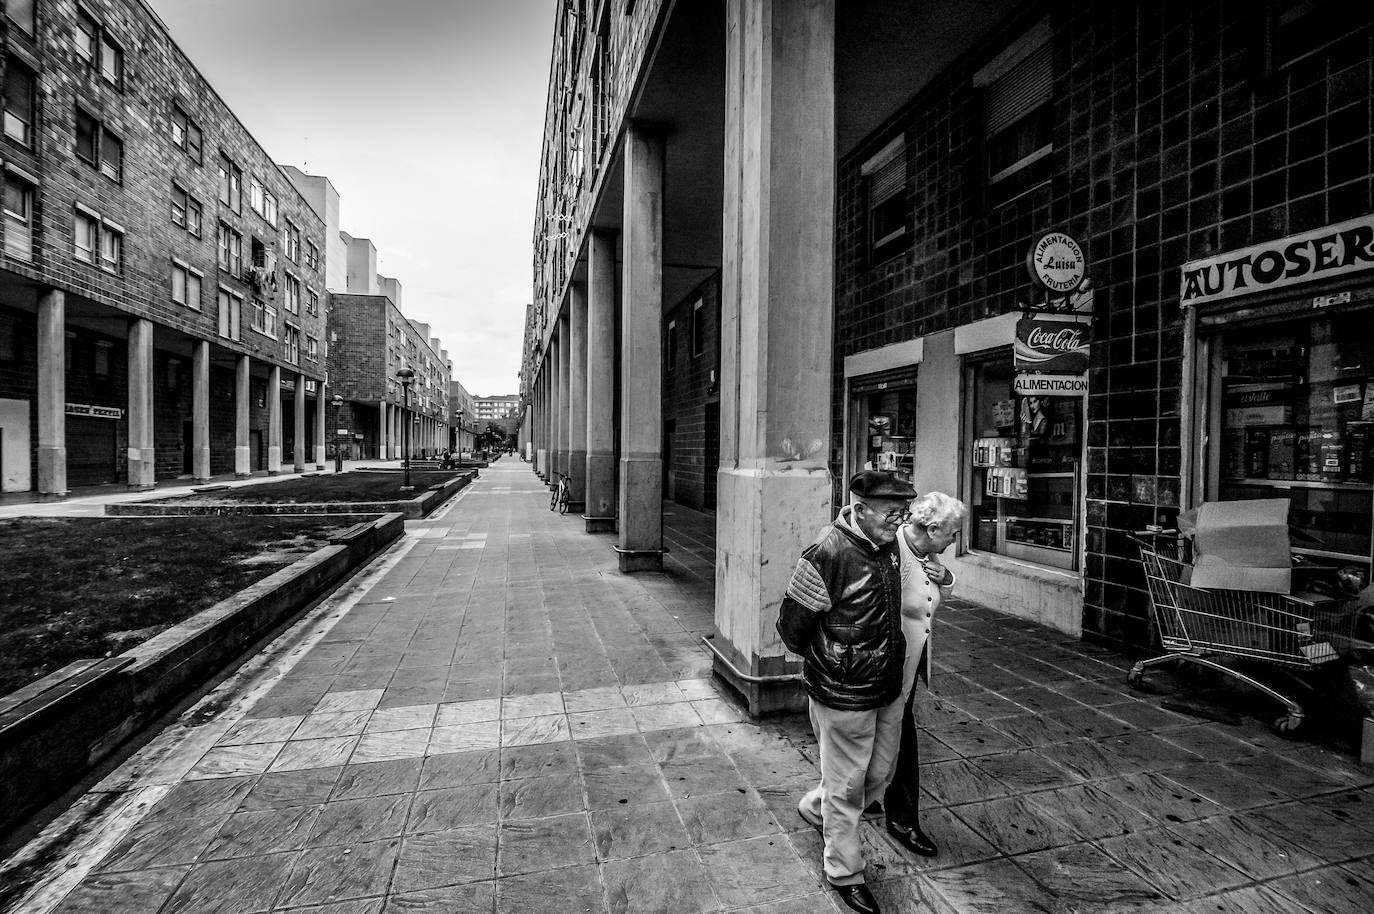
<point x="157" y="80"/>
<point x="1167" y="146"/>
<point x="690" y="396"/>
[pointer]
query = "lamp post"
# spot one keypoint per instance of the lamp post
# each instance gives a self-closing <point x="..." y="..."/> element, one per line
<point x="406" y="377"/>
<point x="338" y="435"/>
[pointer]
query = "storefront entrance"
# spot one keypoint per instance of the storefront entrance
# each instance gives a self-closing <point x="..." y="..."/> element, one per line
<point x="882" y="423"/>
<point x="92" y="451"/>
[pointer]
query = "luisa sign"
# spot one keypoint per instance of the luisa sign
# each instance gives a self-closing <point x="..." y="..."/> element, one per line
<point x="1051" y="352"/>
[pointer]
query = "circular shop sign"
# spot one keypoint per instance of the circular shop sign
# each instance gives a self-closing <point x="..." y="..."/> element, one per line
<point x="1057" y="262"/>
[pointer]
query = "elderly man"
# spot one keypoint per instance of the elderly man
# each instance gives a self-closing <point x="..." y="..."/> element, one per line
<point x="936" y="520"/>
<point x="842" y="614"/>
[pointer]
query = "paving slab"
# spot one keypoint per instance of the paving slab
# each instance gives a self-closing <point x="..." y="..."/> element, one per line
<point x="493" y="719"/>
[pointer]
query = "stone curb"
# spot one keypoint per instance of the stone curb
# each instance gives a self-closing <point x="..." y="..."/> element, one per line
<point x="53" y="731"/>
<point x="412" y="508"/>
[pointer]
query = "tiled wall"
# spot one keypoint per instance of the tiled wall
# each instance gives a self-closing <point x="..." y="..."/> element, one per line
<point x="1167" y="146"/>
<point x="687" y="391"/>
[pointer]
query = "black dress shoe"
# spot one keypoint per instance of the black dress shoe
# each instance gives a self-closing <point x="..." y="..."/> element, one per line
<point x="859" y="898"/>
<point x="913" y="839"/>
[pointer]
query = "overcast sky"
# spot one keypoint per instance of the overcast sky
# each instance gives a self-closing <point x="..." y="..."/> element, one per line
<point x="427" y="116"/>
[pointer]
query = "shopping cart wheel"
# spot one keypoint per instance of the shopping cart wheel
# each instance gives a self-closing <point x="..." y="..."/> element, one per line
<point x="1288" y="725"/>
<point x="1136" y="677"/>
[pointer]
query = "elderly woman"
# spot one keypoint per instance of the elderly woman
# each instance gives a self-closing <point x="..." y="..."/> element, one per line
<point x="935" y="522"/>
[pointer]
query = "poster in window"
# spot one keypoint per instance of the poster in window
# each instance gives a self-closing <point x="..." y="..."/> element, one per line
<point x="880" y="424"/>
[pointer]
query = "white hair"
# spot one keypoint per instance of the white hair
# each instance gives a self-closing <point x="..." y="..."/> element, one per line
<point x="938" y="508"/>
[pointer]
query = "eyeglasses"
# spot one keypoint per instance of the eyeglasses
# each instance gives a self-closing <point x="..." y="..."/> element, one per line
<point x="899" y="516"/>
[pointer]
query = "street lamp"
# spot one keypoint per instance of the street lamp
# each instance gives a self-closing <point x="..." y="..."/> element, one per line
<point x="406" y="377"/>
<point x="458" y="445"/>
<point x="338" y="435"/>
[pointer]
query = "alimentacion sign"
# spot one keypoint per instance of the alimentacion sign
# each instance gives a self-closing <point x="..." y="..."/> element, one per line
<point x="1336" y="250"/>
<point x="1051" y="350"/>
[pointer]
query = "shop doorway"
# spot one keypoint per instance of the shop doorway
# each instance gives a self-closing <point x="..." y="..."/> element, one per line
<point x="882" y="423"/>
<point x="92" y="451"/>
<point x="257" y="456"/>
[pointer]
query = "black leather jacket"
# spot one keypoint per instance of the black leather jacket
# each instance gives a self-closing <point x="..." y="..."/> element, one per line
<point x="842" y="614"/>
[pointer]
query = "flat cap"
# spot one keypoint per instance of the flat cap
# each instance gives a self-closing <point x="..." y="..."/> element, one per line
<point x="879" y="484"/>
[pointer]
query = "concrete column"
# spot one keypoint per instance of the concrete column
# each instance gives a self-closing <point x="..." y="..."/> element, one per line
<point x="274" y="420"/>
<point x="558" y="412"/>
<point x="52" y="393"/>
<point x="321" y="415"/>
<point x="243" y="455"/>
<point x="298" y="431"/>
<point x="577" y="396"/>
<point x="601" y="468"/>
<point x="776" y="311"/>
<point x="398" y="440"/>
<point x="541" y="439"/>
<point x="142" y="452"/>
<point x="200" y="411"/>
<point x="383" y="430"/>
<point x="641" y="356"/>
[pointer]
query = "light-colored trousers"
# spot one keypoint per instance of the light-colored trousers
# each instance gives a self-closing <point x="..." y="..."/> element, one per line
<point x="858" y="750"/>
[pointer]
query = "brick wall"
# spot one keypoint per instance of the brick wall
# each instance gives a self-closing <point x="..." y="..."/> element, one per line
<point x="687" y="391"/>
<point x="1166" y="148"/>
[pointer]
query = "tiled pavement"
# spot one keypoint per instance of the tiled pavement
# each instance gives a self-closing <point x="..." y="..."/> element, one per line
<point x="501" y="722"/>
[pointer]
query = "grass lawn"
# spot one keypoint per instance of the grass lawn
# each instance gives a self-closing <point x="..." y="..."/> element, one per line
<point x="68" y="584"/>
<point x="348" y="487"/>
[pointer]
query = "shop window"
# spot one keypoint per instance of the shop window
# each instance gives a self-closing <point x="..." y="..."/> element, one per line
<point x="1017" y="116"/>
<point x="1294" y="403"/>
<point x="883" y="421"/>
<point x="19" y="83"/>
<point x="888" y="228"/>
<point x="1023" y="491"/>
<point x="18" y="218"/>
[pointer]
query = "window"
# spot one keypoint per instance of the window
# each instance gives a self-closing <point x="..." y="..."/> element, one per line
<point x="292" y="341"/>
<point x="312" y="349"/>
<point x="18" y="218"/>
<point x="19" y="82"/>
<point x="312" y="255"/>
<point x="292" y="301"/>
<point x="269" y="207"/>
<point x="698" y="328"/>
<point x="186" y="283"/>
<point x="20" y="12"/>
<point x="1017" y="115"/>
<point x="186" y="135"/>
<point x="1023" y="492"/>
<point x="887" y="228"/>
<point x="264" y="318"/>
<point x="292" y="236"/>
<point x="312" y="302"/>
<point x="230" y="313"/>
<point x="111" y="248"/>
<point x="99" y="51"/>
<point x="255" y="194"/>
<point x="186" y="211"/>
<point x="102" y="357"/>
<point x="230" y="251"/>
<point x="672" y="344"/>
<point x="87" y="236"/>
<point x="98" y="147"/>
<point x="230" y="184"/>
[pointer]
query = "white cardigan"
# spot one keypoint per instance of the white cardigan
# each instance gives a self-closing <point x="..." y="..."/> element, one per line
<point x="920" y="599"/>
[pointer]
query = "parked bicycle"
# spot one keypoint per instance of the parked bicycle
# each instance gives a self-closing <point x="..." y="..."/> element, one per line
<point x="562" y="494"/>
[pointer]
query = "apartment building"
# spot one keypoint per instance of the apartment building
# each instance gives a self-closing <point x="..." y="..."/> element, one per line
<point x="161" y="280"/>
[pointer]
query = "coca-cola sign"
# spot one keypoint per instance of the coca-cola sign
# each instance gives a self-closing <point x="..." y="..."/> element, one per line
<point x="1051" y="345"/>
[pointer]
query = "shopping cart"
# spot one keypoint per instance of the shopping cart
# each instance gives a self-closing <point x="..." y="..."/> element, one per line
<point x="1196" y="625"/>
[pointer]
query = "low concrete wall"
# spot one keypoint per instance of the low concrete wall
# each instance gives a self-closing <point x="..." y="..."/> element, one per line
<point x="413" y="508"/>
<point x="54" y="730"/>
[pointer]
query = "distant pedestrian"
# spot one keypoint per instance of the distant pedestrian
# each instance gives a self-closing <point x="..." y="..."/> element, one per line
<point x="936" y="520"/>
<point x="842" y="614"/>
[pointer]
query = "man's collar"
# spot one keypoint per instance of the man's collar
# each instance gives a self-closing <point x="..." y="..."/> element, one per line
<point x="848" y="524"/>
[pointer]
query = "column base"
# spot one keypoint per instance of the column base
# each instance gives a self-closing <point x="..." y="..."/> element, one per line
<point x="641" y="504"/>
<point x="52" y="470"/>
<point x="576" y="507"/>
<point x="600" y="524"/>
<point x="141" y="474"/>
<point x="782" y="690"/>
<point x="632" y="560"/>
<point x="243" y="466"/>
<point x="243" y="475"/>
<point x="600" y="484"/>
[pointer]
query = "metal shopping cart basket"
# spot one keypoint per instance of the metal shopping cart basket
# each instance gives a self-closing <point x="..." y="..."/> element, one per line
<point x="1196" y="625"/>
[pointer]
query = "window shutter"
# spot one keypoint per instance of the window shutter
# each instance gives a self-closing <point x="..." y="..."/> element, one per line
<point x="1022" y="89"/>
<point x="888" y="180"/>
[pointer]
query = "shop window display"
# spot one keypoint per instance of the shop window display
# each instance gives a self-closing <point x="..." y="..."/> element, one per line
<point x="1295" y="410"/>
<point x="883" y="414"/>
<point x="1025" y="451"/>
